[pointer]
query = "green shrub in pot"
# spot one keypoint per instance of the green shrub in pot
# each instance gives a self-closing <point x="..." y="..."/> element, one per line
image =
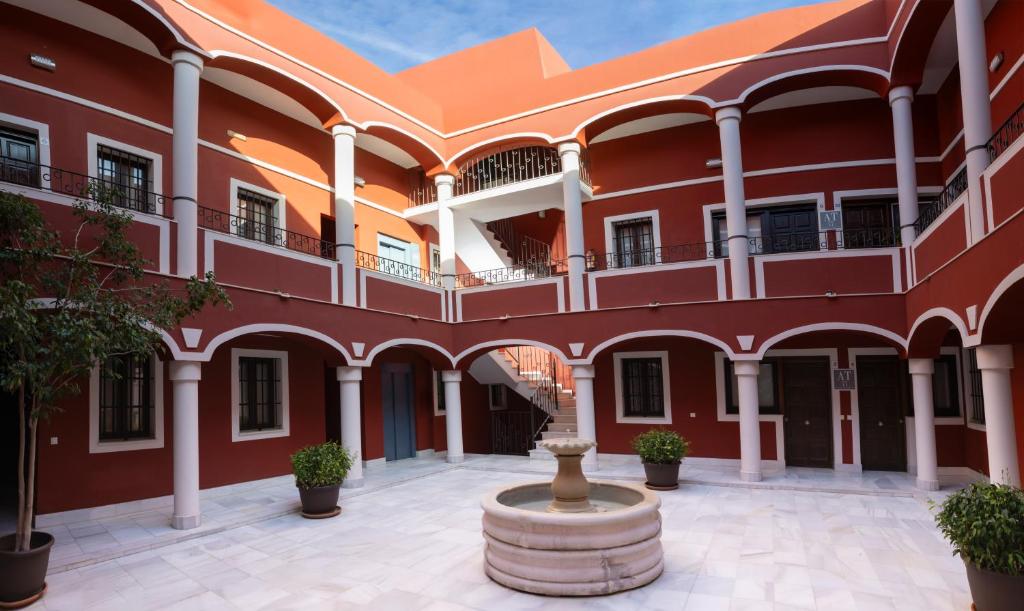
<point x="319" y="471"/>
<point x="661" y="451"/>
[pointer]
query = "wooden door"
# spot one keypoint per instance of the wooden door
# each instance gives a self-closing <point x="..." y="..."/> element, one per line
<point x="396" y="398"/>
<point x="869" y="225"/>
<point x="807" y="407"/>
<point x="880" y="403"/>
<point x="792" y="230"/>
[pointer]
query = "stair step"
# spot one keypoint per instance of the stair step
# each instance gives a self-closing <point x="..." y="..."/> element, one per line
<point x="561" y="418"/>
<point x="567" y="411"/>
<point x="562" y="427"/>
<point x="557" y="435"/>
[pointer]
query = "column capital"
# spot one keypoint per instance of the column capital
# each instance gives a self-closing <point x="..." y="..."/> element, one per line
<point x="995" y="356"/>
<point x="901" y="92"/>
<point x="746" y="368"/>
<point x="444" y="179"/>
<point x="566" y="148"/>
<point x="187" y="57"/>
<point x="342" y="129"/>
<point x="729" y="112"/>
<point x="185" y="371"/>
<point x="451" y="375"/>
<point x="349" y="374"/>
<point x="583" y="371"/>
<point x="921" y="367"/>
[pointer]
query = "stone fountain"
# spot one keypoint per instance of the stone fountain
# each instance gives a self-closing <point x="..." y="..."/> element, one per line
<point x="571" y="537"/>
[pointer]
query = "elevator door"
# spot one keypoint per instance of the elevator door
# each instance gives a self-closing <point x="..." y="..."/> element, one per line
<point x="399" y="411"/>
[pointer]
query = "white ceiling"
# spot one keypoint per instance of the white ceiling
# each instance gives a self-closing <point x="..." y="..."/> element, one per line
<point x="648" y="124"/>
<point x="814" y="95"/>
<point x="383" y="148"/>
<point x="941" y="58"/>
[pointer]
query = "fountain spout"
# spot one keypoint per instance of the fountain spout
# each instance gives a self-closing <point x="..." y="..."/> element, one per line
<point x="570" y="488"/>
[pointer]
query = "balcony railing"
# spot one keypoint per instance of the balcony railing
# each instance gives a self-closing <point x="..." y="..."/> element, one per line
<point x="1007" y="134"/>
<point x="516" y="273"/>
<point x="218" y="220"/>
<point x="500" y="169"/>
<point x="653" y="256"/>
<point x="399" y="269"/>
<point x="931" y="211"/>
<point x="83" y="186"/>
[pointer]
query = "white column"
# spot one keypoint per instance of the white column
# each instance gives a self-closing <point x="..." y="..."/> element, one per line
<point x="452" y="380"/>
<point x="995" y="363"/>
<point x="185" y="377"/>
<point x="345" y="209"/>
<point x="728" y="120"/>
<point x="586" y="425"/>
<point x="900" y="99"/>
<point x="750" y="420"/>
<point x="185" y="161"/>
<point x="977" y="114"/>
<point x="446" y="229"/>
<point x="573" y="203"/>
<point x="921" y="371"/>
<point x="351" y="422"/>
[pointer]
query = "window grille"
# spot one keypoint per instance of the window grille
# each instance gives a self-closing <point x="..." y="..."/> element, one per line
<point x="126" y="398"/>
<point x="125" y="177"/>
<point x="634" y="242"/>
<point x="256" y="220"/>
<point x="945" y="388"/>
<point x="439" y="391"/>
<point x="259" y="384"/>
<point x="642" y="388"/>
<point x="974" y="387"/>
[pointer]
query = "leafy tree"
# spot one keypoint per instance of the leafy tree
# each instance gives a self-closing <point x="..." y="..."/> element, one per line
<point x="69" y="300"/>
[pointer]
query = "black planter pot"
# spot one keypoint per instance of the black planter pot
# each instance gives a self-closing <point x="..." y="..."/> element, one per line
<point x="23" y="574"/>
<point x="662" y="476"/>
<point x="994" y="591"/>
<point x="319" y="502"/>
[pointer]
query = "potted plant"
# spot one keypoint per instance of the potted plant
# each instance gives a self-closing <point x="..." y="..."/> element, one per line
<point x="661" y="451"/>
<point x="985" y="524"/>
<point x="60" y="313"/>
<point x="319" y="471"/>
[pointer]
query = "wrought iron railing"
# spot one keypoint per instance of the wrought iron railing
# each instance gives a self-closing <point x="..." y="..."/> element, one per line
<point x="516" y="273"/>
<point x="551" y="378"/>
<point x="522" y="249"/>
<point x="512" y="432"/>
<point x="1007" y="134"/>
<point x="422" y="196"/>
<point x="652" y="256"/>
<point x="224" y="222"/>
<point x="399" y="269"/>
<point x="83" y="186"/>
<point x="931" y="211"/>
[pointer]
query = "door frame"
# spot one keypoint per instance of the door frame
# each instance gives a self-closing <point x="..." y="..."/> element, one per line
<point x="852" y="354"/>
<point x="412" y="409"/>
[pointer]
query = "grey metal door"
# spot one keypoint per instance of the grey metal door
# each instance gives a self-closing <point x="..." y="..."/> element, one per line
<point x="399" y="411"/>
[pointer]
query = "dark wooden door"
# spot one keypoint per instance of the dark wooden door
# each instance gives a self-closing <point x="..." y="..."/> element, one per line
<point x="880" y="403"/>
<point x="327" y="236"/>
<point x="793" y="230"/>
<point x="869" y="225"/>
<point x="807" y="408"/>
<point x="396" y="398"/>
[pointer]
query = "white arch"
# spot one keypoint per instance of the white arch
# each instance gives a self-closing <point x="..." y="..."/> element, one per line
<point x="214" y="343"/>
<point x="170" y="28"/>
<point x="726" y="348"/>
<point x="665" y="98"/>
<point x="368" y="124"/>
<point x="489" y="141"/>
<point x="1012" y="278"/>
<point x="497" y="343"/>
<point x="899" y="39"/>
<point x="946" y="313"/>
<point x="778" y="77"/>
<point x="830" y="326"/>
<point x="406" y="341"/>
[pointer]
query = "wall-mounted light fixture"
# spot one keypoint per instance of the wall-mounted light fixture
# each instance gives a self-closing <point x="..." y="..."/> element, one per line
<point x="831" y="294"/>
<point x="711" y="164"/>
<point x="237" y="136"/>
<point x="542" y="213"/>
<point x="43" y="62"/>
<point x="996" y="62"/>
<point x="359" y="181"/>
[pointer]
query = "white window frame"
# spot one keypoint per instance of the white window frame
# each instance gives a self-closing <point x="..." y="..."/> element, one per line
<point x="96" y="446"/>
<point x="283" y="431"/>
<point x="967" y="408"/>
<point x="279" y="212"/>
<point x="435" y="376"/>
<point x="156" y="161"/>
<point x="665" y="381"/>
<point x="609" y="229"/>
<point x="412" y="252"/>
<point x="42" y="131"/>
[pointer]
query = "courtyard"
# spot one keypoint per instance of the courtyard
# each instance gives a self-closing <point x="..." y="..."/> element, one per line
<point x="410" y="539"/>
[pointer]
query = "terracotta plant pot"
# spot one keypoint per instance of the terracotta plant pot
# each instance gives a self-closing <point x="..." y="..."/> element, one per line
<point x="993" y="591"/>
<point x="662" y="476"/>
<point x="23" y="574"/>
<point x="319" y="501"/>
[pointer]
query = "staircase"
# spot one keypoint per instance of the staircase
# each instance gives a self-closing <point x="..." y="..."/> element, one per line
<point x="549" y="387"/>
<point x="528" y="254"/>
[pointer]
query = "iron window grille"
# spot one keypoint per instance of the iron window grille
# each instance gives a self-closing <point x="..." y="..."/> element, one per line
<point x="945" y="389"/>
<point x="974" y="387"/>
<point x="256" y="219"/>
<point x="126" y="178"/>
<point x="439" y="391"/>
<point x="643" y="394"/>
<point x="634" y="242"/>
<point x="126" y="398"/>
<point x="767" y="388"/>
<point x="259" y="385"/>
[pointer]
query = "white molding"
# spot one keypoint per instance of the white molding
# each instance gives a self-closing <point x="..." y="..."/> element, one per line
<point x="283" y="430"/>
<point x="892" y="252"/>
<point x="557" y="281"/>
<point x="987" y="174"/>
<point x="382" y="208"/>
<point x="500" y="343"/>
<point x="718" y="264"/>
<point x="665" y="383"/>
<point x="722" y="416"/>
<point x="42" y="131"/>
<point x="1004" y="285"/>
<point x="958" y="205"/>
<point x="157" y="441"/>
<point x="828" y="326"/>
<point x="939" y="312"/>
<point x="791" y="73"/>
<point x="267" y="166"/>
<point x="214" y="343"/>
<point x="609" y="232"/>
<point x="156" y="161"/>
<point x="1006" y="79"/>
<point x="280" y="212"/>
<point x="659" y="333"/>
<point x="404" y="341"/>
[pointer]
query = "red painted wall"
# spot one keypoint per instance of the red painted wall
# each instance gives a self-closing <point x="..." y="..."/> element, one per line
<point x="516" y="299"/>
<point x="843" y="275"/>
<point x="947" y="239"/>
<point x="402" y="298"/>
<point x="662" y="286"/>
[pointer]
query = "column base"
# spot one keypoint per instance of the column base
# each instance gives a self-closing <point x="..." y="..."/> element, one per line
<point x="927" y="484"/>
<point x="454" y="459"/>
<point x="750" y="476"/>
<point x="185" y="522"/>
<point x="353" y="483"/>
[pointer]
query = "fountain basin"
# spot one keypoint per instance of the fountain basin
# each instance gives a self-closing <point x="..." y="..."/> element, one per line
<point x="614" y="547"/>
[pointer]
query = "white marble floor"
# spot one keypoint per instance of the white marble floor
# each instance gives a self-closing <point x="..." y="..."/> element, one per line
<point x="417" y="545"/>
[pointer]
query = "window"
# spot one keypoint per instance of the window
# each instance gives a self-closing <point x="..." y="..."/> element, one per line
<point x="945" y="389"/>
<point x="19" y="157"/>
<point x="870" y="224"/>
<point x="773" y="230"/>
<point x="767" y="383"/>
<point x="641" y="387"/>
<point x="126" y="404"/>
<point x="126" y="178"/>
<point x="977" y="398"/>
<point x="256" y="218"/>
<point x="259" y="394"/>
<point x="634" y="242"/>
<point x="498" y="396"/>
<point x="397" y="257"/>
<point x="439" y="404"/>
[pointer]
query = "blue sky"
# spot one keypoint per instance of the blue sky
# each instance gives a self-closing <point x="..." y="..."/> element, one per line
<point x="397" y="34"/>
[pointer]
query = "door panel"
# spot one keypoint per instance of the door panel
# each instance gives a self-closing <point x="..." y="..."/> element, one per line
<point x="807" y="409"/>
<point x="880" y="403"/>
<point x="398" y="409"/>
